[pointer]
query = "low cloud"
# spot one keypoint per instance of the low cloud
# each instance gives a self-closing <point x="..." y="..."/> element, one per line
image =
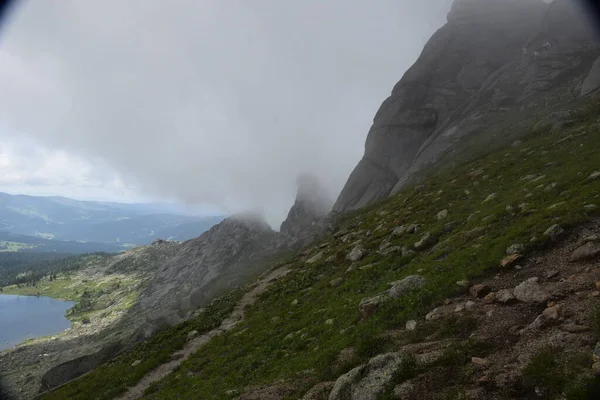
<point x="207" y="101"/>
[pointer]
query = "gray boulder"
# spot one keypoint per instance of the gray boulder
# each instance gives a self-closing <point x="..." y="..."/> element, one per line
<point x="530" y="291"/>
<point x="367" y="381"/>
<point x="406" y="285"/>
<point x="588" y="251"/>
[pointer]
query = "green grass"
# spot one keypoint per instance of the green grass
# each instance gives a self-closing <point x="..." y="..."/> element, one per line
<point x="279" y="341"/>
<point x="113" y="378"/>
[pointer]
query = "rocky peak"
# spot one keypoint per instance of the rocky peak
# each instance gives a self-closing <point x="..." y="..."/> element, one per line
<point x="478" y="9"/>
<point x="495" y="62"/>
<point x="311" y="206"/>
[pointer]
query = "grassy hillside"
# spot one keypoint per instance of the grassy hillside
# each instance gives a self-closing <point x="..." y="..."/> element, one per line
<point x="466" y="218"/>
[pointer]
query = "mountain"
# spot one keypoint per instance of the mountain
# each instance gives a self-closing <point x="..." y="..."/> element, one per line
<point x="10" y="242"/>
<point x="88" y="221"/>
<point x="480" y="282"/>
<point x="500" y="64"/>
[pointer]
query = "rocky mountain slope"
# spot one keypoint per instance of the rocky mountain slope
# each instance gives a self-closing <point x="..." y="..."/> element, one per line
<point x="160" y="286"/>
<point x="498" y="120"/>
<point x="507" y="64"/>
<point x="480" y="283"/>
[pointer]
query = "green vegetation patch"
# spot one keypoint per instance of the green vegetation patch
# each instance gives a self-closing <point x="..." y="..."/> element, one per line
<point x="113" y="378"/>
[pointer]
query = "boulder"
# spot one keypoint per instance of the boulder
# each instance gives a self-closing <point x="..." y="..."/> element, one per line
<point x="554" y="232"/>
<point x="479" y="290"/>
<point x="406" y="285"/>
<point x="588" y="251"/>
<point x="510" y="260"/>
<point x="319" y="392"/>
<point x="337" y="282"/>
<point x="367" y="381"/>
<point x="505" y="295"/>
<point x="356" y="254"/>
<point x="315" y="259"/>
<point x="399" y="230"/>
<point x="426" y="241"/>
<point x="530" y="291"/>
<point x="515" y="249"/>
<point x="368" y="306"/>
<point x="442" y="214"/>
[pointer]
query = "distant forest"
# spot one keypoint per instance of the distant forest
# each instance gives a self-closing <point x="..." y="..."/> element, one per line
<point x="25" y="268"/>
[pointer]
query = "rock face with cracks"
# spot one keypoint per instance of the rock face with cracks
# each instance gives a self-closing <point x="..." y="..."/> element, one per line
<point x="491" y="58"/>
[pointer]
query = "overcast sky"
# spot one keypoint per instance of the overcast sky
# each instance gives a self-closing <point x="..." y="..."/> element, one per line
<point x="220" y="102"/>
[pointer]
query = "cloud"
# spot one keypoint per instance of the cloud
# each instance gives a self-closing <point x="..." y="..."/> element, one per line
<point x="208" y="101"/>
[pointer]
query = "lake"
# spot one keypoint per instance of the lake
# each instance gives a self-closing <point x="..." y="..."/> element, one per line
<point x="24" y="317"/>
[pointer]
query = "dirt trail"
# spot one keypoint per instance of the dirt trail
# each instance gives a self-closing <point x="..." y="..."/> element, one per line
<point x="194" y="345"/>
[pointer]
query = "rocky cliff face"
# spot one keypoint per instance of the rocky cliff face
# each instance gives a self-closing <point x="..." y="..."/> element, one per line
<point x="218" y="260"/>
<point x="306" y="217"/>
<point x="494" y="61"/>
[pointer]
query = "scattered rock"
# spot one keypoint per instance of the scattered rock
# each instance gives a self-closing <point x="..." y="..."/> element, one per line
<point x="367" y="381"/>
<point x="554" y="232"/>
<point x="136" y="363"/>
<point x="480" y="362"/>
<point x="588" y="251"/>
<point x="469" y="305"/>
<point x="530" y="291"/>
<point x="406" y="285"/>
<point x="552" y="313"/>
<point x="315" y="259"/>
<point x="552" y="274"/>
<point x="427" y="240"/>
<point x="479" y="290"/>
<point x="594" y="175"/>
<point x="574" y="328"/>
<point x="367" y="266"/>
<point x="510" y="260"/>
<point x="505" y="296"/>
<point x="489" y="198"/>
<point x="356" y="254"/>
<point x="463" y="285"/>
<point x="399" y="230"/>
<point x="390" y="250"/>
<point x="319" y="392"/>
<point x="590" y="207"/>
<point x="192" y="335"/>
<point x="368" y="306"/>
<point x="436" y="313"/>
<point x="442" y="214"/>
<point x="411" y="325"/>
<point x="329" y="322"/>
<point x="515" y="249"/>
<point x="490" y="298"/>
<point x="295" y="302"/>
<point x="414" y="228"/>
<point x="407" y="252"/>
<point x="337" y="282"/>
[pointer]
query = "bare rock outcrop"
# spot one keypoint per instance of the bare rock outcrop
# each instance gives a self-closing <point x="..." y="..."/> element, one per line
<point x="493" y="58"/>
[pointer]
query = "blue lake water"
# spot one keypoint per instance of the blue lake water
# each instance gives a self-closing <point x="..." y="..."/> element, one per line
<point x="24" y="317"/>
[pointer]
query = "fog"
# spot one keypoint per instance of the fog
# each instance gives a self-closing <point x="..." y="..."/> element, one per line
<point x="207" y="101"/>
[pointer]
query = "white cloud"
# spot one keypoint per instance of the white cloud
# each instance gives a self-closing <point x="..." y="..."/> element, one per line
<point x="210" y="101"/>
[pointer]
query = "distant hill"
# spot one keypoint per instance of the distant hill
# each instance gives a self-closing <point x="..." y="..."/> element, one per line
<point x="11" y="242"/>
<point x="65" y="219"/>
